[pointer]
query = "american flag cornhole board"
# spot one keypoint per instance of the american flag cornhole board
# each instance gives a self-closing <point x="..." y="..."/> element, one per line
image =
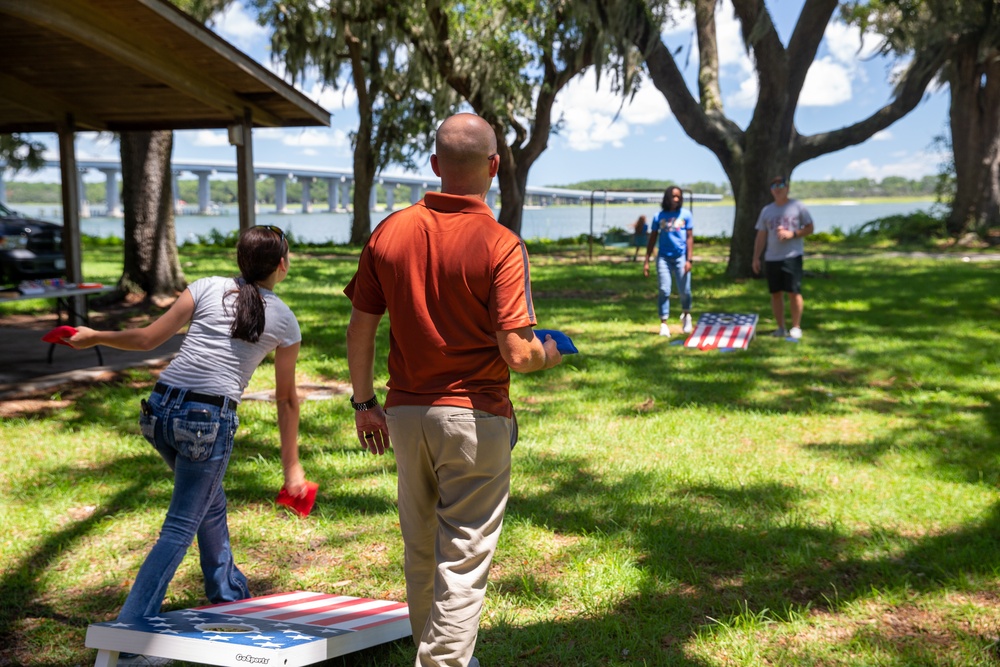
<point x="723" y="331"/>
<point x="286" y="629"/>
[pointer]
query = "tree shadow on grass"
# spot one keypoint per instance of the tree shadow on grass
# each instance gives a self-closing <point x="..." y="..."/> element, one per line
<point x="712" y="554"/>
<point x="141" y="480"/>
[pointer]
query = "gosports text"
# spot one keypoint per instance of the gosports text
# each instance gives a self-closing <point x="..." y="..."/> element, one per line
<point x="252" y="659"/>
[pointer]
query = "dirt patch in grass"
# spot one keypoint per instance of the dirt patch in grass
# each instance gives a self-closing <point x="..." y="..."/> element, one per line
<point x="907" y="629"/>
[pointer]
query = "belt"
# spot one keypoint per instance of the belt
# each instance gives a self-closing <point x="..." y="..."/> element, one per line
<point x="210" y="399"/>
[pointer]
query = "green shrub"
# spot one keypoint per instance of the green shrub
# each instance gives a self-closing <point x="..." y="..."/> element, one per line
<point x="919" y="227"/>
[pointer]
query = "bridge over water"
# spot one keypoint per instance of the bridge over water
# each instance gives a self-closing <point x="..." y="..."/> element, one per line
<point x="338" y="182"/>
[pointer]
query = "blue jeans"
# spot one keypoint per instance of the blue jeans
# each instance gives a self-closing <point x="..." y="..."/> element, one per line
<point x="672" y="268"/>
<point x="195" y="439"/>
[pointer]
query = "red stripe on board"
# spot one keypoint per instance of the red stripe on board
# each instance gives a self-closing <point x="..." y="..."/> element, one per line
<point x="360" y="614"/>
<point x="244" y="607"/>
<point x="744" y="337"/>
<point x="318" y="610"/>
<point x="394" y="619"/>
<point x="734" y="333"/>
<point x="262" y="597"/>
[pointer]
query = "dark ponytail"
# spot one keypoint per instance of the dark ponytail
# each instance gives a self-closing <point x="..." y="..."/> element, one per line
<point x="258" y="253"/>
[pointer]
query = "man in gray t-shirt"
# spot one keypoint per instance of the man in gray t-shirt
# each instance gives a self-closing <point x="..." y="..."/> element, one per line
<point x="781" y="227"/>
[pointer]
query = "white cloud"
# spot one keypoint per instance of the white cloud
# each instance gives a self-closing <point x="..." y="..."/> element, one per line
<point x="746" y="96"/>
<point x="827" y="84"/>
<point x="210" y="138"/>
<point x="882" y="135"/>
<point x="914" y="166"/>
<point x="847" y="45"/>
<point x="307" y="138"/>
<point x="594" y="116"/>
<point x="334" y="100"/>
<point x="237" y="26"/>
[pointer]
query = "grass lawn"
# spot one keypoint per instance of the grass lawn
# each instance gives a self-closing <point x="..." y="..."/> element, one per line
<point x="832" y="502"/>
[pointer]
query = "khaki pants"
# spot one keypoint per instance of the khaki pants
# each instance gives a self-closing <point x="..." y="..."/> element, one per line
<point x="453" y="484"/>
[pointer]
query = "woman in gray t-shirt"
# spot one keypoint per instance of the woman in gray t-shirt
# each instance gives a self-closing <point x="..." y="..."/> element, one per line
<point x="190" y="418"/>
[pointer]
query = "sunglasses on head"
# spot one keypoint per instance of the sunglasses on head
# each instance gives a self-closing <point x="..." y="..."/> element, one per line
<point x="273" y="228"/>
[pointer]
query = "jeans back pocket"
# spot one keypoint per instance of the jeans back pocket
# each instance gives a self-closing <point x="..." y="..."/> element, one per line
<point x="147" y="425"/>
<point x="194" y="435"/>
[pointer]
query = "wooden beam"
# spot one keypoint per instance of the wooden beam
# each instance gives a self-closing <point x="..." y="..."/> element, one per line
<point x="103" y="33"/>
<point x="71" y="212"/>
<point x="241" y="136"/>
<point x="29" y="97"/>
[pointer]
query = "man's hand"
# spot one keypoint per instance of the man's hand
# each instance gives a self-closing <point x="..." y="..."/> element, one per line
<point x="755" y="265"/>
<point x="645" y="268"/>
<point x="373" y="432"/>
<point x="553" y="357"/>
<point x="784" y="234"/>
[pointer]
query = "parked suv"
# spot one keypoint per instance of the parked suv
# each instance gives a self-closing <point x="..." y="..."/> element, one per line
<point x="29" y="249"/>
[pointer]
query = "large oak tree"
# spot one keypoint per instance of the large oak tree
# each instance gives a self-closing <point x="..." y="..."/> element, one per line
<point x="771" y="143"/>
<point x="967" y="32"/>
<point x="509" y="60"/>
<point x="399" y="98"/>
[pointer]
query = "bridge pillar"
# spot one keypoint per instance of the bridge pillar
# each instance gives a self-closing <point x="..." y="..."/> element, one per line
<point x="332" y="194"/>
<point x="416" y="192"/>
<point x="390" y="197"/>
<point x="345" y="192"/>
<point x="111" y="199"/>
<point x="373" y="198"/>
<point x="204" y="191"/>
<point x="280" y="193"/>
<point x="84" y="204"/>
<point x="3" y="187"/>
<point x="306" y="182"/>
<point x="176" y="190"/>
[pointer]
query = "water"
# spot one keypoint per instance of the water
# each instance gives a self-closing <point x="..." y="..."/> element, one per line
<point x="538" y="223"/>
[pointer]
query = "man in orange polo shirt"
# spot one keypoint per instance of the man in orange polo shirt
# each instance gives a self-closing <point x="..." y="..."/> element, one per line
<point x="456" y="286"/>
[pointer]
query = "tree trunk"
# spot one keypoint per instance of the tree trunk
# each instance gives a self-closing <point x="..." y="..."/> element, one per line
<point x="364" y="177"/>
<point x="512" y="186"/>
<point x="975" y="138"/>
<point x="151" y="264"/>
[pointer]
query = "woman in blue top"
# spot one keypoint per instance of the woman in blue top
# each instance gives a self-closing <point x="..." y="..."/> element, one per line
<point x="674" y="228"/>
<point x="190" y="416"/>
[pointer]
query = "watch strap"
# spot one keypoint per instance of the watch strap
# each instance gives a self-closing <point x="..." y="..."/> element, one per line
<point x="367" y="405"/>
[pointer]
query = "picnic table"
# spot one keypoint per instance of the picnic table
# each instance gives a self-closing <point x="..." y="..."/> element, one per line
<point x="65" y="309"/>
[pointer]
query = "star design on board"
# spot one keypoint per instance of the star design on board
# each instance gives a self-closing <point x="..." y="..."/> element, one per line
<point x="119" y="624"/>
<point x="167" y="632"/>
<point x="260" y="637"/>
<point x="299" y="637"/>
<point x="151" y="619"/>
<point x="220" y="638"/>
<point x="281" y="625"/>
<point x="269" y="645"/>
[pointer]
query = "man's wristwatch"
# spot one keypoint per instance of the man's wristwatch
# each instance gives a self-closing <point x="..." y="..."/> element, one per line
<point x="367" y="405"/>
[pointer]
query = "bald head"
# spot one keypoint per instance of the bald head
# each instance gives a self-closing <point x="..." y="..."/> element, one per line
<point x="464" y="146"/>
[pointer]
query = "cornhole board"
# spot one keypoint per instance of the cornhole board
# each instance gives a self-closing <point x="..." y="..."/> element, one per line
<point x="723" y="331"/>
<point x="286" y="629"/>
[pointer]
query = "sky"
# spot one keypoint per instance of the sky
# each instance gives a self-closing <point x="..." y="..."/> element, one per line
<point x="600" y="138"/>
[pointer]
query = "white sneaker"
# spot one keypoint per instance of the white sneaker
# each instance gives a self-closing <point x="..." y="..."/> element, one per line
<point x="795" y="333"/>
<point x="778" y="333"/>
<point x="664" y="329"/>
<point x="686" y="323"/>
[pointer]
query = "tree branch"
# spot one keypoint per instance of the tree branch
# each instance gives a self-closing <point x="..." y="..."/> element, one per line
<point x="909" y="92"/>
